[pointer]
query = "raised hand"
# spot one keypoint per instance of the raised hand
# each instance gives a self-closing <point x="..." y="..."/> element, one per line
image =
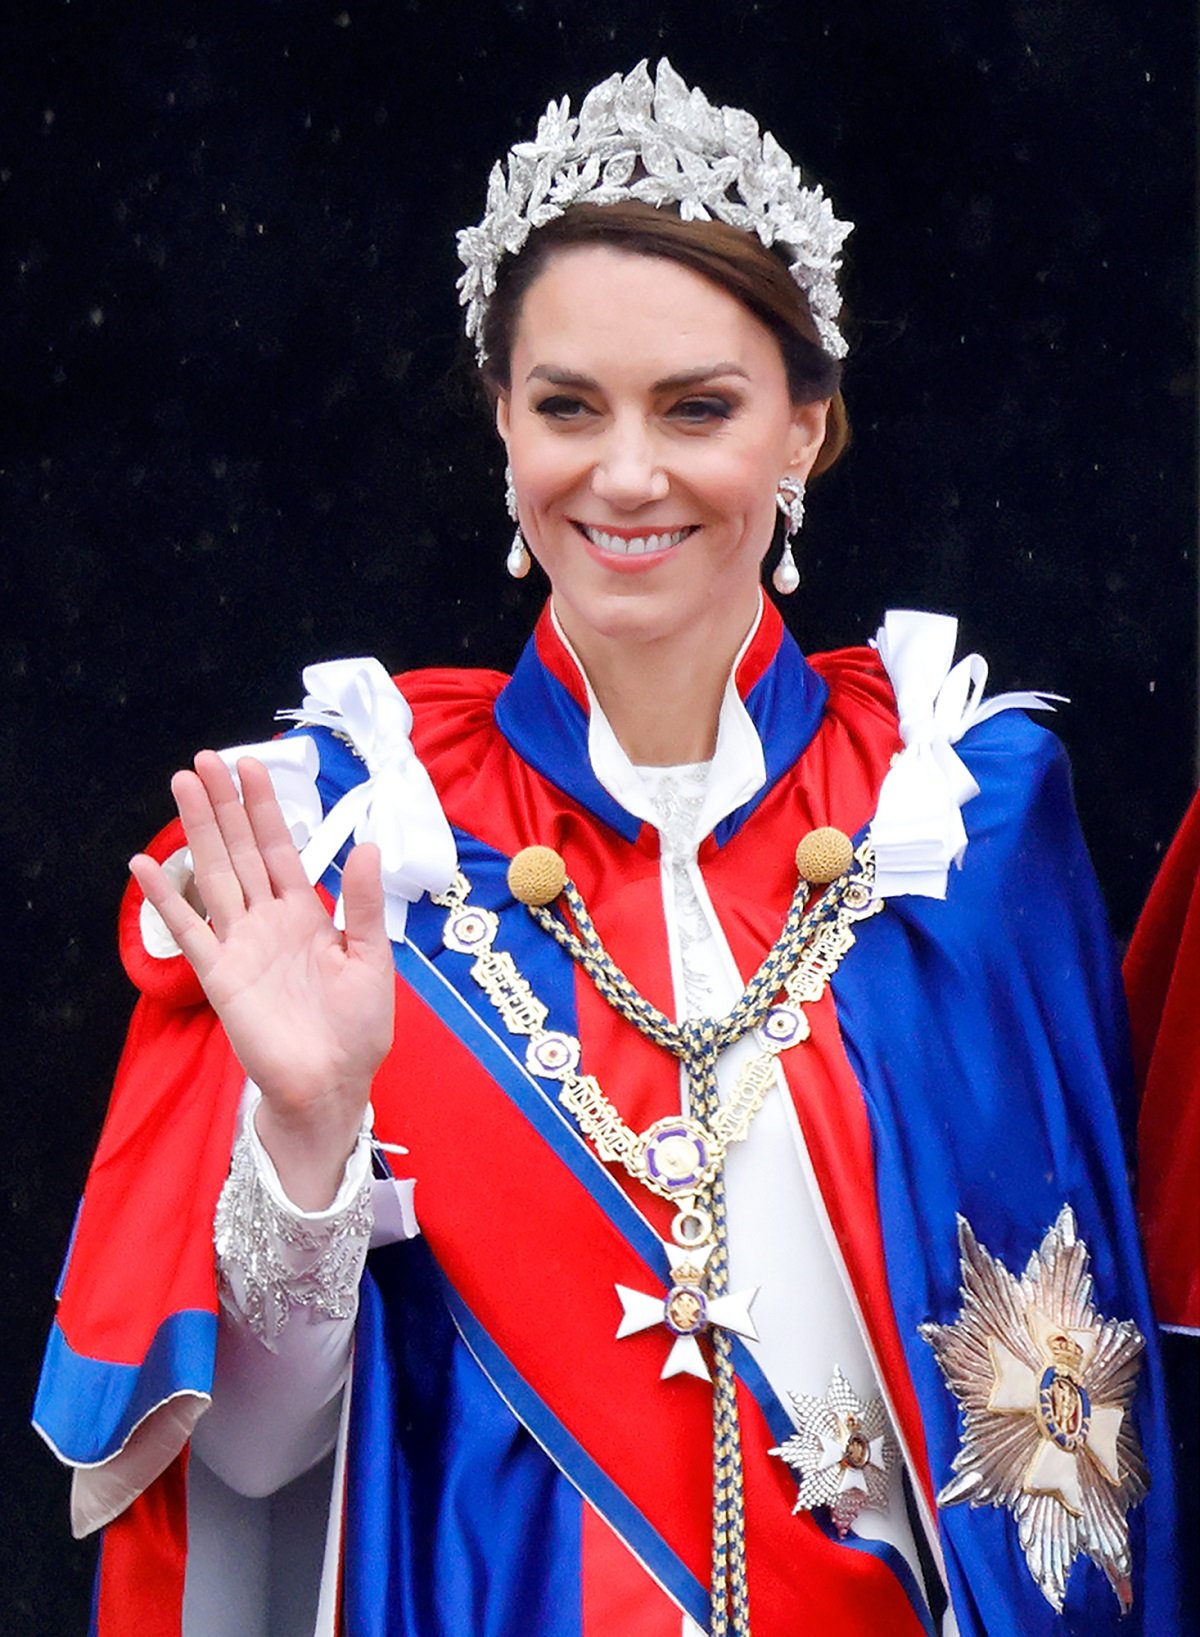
<point x="307" y="1009"/>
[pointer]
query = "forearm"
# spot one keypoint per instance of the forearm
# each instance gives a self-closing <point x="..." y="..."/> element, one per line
<point x="310" y="1152"/>
<point x="289" y="1292"/>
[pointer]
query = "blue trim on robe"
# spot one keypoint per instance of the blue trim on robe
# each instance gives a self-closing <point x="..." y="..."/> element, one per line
<point x="457" y="1522"/>
<point x="786" y="705"/>
<point x="88" y="1407"/>
<point x="548" y="728"/>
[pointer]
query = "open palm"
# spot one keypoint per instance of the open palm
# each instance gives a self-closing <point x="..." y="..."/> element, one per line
<point x="307" y="1009"/>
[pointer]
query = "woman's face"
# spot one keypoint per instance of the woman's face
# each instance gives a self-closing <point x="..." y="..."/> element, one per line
<point x="648" y="423"/>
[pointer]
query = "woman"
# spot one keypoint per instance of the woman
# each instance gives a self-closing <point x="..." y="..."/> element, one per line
<point x="756" y="1213"/>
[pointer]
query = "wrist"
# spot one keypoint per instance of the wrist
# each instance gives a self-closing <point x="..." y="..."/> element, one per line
<point x="309" y="1148"/>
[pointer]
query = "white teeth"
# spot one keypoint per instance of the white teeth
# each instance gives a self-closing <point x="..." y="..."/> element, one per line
<point x="638" y="545"/>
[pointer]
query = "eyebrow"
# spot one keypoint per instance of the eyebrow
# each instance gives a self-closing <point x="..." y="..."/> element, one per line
<point x="669" y="383"/>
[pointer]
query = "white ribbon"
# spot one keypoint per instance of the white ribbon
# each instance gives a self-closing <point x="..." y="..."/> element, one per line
<point x="918" y="831"/>
<point x="395" y="806"/>
<point x="293" y="765"/>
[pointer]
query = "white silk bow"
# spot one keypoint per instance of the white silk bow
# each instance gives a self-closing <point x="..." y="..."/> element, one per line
<point x="293" y="765"/>
<point x="918" y="830"/>
<point x="395" y="806"/>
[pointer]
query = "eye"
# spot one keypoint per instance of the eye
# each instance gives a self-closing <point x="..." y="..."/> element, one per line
<point x="561" y="407"/>
<point x="700" y="411"/>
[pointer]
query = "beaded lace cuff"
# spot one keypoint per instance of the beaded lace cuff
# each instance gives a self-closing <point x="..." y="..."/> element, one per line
<point x="272" y="1258"/>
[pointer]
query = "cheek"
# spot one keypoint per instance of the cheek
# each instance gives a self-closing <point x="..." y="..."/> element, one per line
<point x="543" y="465"/>
<point x="740" y="483"/>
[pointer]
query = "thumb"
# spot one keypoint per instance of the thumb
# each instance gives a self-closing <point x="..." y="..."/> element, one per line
<point x="362" y="902"/>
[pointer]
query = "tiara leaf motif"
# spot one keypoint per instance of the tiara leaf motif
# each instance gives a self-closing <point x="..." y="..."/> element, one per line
<point x="710" y="162"/>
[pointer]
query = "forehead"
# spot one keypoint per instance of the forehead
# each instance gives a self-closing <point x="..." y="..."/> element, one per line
<point x="593" y="307"/>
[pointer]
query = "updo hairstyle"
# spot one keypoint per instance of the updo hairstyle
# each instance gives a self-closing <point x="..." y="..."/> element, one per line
<point x="736" y="261"/>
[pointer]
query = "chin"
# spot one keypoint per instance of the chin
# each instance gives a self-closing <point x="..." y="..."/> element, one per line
<point x="619" y="615"/>
<point x="639" y="615"/>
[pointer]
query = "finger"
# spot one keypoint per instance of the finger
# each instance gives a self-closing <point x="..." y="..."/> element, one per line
<point x="271" y="833"/>
<point x="216" y="880"/>
<point x="189" y="930"/>
<point x="362" y="901"/>
<point x="236" y="829"/>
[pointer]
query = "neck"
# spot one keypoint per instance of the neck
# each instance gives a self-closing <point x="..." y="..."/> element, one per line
<point x="662" y="698"/>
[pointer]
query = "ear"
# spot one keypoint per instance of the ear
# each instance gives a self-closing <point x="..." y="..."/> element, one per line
<point x="502" y="415"/>
<point x="806" y="436"/>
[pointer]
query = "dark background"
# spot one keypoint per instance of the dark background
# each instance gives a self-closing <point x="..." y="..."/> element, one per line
<point x="239" y="435"/>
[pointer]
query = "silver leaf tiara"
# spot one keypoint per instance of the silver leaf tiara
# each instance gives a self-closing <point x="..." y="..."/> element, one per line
<point x="664" y="144"/>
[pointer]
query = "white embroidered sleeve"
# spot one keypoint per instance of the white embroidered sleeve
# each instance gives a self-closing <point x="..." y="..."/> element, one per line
<point x="273" y="1257"/>
<point x="289" y="1293"/>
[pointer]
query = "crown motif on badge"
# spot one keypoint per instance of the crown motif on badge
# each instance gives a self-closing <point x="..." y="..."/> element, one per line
<point x="1044" y="1384"/>
<point x="1065" y="1354"/>
<point x="660" y="142"/>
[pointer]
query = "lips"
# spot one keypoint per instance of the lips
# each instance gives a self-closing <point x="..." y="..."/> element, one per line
<point x="634" y="545"/>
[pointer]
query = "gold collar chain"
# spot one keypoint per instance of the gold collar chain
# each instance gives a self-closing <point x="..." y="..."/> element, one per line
<point x="679" y="1156"/>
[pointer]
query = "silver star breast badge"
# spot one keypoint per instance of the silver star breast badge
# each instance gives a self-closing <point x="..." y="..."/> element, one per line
<point x="687" y="1310"/>
<point x="1044" y="1385"/>
<point x="842" y="1453"/>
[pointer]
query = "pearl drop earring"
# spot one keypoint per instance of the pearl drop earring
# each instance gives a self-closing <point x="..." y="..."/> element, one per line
<point x="518" y="560"/>
<point x="789" y="497"/>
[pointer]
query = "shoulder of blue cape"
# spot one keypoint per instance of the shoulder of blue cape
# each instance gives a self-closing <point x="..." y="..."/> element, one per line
<point x="989" y="1035"/>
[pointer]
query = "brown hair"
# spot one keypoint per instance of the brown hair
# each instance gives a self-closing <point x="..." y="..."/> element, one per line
<point x="736" y="261"/>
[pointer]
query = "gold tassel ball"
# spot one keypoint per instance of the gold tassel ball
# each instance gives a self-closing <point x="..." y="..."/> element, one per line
<point x="823" y="855"/>
<point x="536" y="876"/>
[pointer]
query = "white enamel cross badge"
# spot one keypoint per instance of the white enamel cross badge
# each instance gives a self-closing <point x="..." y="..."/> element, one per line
<point x="687" y="1310"/>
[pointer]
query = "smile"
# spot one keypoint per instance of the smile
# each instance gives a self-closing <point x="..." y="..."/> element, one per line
<point x="635" y="545"/>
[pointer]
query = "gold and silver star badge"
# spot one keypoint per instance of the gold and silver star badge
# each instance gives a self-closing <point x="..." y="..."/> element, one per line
<point x="1044" y="1384"/>
<point x="841" y="1452"/>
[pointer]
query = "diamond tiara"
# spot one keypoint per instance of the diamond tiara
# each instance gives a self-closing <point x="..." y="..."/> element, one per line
<point x="659" y="142"/>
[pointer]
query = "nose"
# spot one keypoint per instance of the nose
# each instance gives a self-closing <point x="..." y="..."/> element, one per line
<point x="628" y="472"/>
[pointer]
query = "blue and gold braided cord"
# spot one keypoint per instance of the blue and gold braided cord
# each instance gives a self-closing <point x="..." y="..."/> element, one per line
<point x="751" y="1008"/>
<point x="729" y="1605"/>
<point x="697" y="1043"/>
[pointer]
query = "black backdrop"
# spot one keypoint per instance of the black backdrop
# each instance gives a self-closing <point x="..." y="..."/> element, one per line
<point x="239" y="435"/>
